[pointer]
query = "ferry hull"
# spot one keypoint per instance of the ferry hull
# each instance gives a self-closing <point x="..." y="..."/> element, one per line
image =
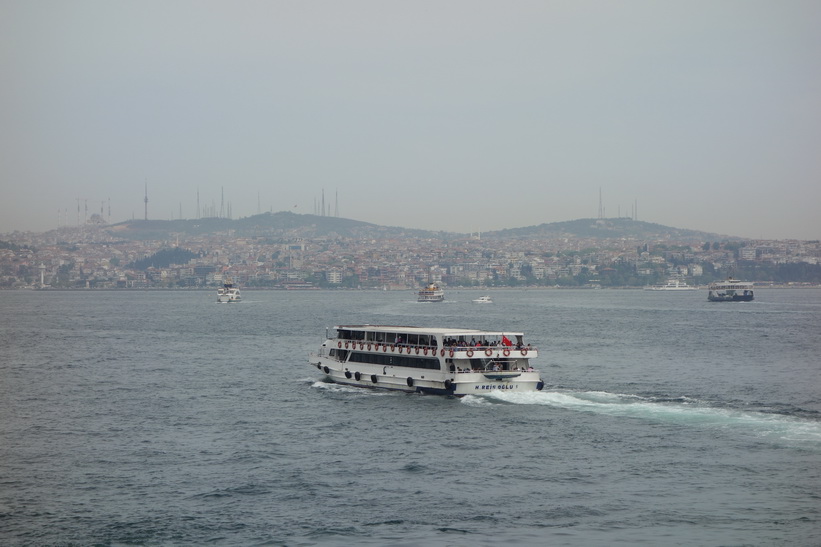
<point x="730" y="298"/>
<point x="429" y="382"/>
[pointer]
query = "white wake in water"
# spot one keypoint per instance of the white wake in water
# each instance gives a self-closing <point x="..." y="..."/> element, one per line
<point x="682" y="411"/>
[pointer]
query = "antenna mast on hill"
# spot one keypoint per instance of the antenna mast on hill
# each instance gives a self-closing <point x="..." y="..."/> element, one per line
<point x="601" y="212"/>
<point x="146" y="200"/>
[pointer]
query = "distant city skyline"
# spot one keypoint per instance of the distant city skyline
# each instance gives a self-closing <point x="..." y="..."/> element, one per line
<point x="462" y="117"/>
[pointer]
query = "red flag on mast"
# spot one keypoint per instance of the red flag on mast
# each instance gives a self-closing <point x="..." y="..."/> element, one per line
<point x="506" y="341"/>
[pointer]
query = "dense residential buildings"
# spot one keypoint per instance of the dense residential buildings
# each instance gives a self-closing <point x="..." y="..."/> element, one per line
<point x="93" y="256"/>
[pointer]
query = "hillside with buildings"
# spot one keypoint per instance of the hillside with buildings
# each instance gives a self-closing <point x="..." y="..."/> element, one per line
<point x="287" y="250"/>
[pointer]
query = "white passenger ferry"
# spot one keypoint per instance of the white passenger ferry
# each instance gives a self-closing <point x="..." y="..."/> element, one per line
<point x="228" y="293"/>
<point x="431" y="293"/>
<point x="440" y="361"/>
<point x="672" y="285"/>
<point x="730" y="290"/>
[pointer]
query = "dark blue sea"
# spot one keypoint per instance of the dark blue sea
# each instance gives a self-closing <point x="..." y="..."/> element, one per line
<point x="163" y="418"/>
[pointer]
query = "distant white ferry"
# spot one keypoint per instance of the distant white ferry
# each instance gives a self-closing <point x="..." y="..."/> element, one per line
<point x="431" y="293"/>
<point x="730" y="290"/>
<point x="672" y="285"/>
<point x="442" y="361"/>
<point x="228" y="293"/>
<point x="483" y="300"/>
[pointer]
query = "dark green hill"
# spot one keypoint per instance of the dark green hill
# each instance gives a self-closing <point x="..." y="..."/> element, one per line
<point x="608" y="228"/>
<point x="291" y="225"/>
<point x="276" y="225"/>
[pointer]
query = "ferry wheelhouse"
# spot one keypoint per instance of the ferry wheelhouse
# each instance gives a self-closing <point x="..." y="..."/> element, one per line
<point x="440" y="361"/>
<point x="431" y="293"/>
<point x="730" y="290"/>
<point x="228" y="293"/>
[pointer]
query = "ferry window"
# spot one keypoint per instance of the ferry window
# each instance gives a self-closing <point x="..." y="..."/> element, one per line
<point x="395" y="360"/>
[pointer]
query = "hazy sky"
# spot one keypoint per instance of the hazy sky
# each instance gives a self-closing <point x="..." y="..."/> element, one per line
<point x="444" y="115"/>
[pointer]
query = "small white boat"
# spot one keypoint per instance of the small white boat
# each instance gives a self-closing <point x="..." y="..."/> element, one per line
<point x="228" y="293"/>
<point x="440" y="361"/>
<point x="483" y="300"/>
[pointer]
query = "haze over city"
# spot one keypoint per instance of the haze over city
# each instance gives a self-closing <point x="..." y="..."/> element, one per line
<point x="458" y="116"/>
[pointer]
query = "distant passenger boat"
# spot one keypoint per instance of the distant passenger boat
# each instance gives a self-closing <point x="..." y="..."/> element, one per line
<point x="672" y="285"/>
<point x="431" y="293"/>
<point x="730" y="290"/>
<point x="438" y="361"/>
<point x="483" y="300"/>
<point x="228" y="293"/>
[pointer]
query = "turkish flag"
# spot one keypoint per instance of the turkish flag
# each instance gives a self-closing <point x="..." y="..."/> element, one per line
<point x="506" y="341"/>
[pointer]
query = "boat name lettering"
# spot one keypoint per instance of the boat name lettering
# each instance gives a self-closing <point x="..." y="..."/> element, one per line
<point x="496" y="386"/>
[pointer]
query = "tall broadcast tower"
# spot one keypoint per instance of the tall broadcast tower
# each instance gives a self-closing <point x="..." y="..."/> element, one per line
<point x="146" y="201"/>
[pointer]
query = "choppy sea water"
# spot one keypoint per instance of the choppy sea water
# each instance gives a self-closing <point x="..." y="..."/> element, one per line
<point x="163" y="418"/>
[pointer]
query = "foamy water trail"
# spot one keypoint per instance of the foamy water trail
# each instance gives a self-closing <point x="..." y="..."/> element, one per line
<point x="682" y="411"/>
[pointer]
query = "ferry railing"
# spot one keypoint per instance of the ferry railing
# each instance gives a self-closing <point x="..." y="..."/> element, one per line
<point x="419" y="349"/>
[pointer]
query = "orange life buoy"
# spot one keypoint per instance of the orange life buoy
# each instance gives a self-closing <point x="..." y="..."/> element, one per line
<point x="506" y="352"/>
<point x="346" y="345"/>
<point x="450" y="353"/>
<point x="369" y="347"/>
<point x="488" y="352"/>
<point x="442" y="352"/>
<point x="393" y="348"/>
<point x="524" y="352"/>
<point x="417" y="351"/>
<point x="384" y="349"/>
<point x="339" y="344"/>
<point x="470" y="353"/>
